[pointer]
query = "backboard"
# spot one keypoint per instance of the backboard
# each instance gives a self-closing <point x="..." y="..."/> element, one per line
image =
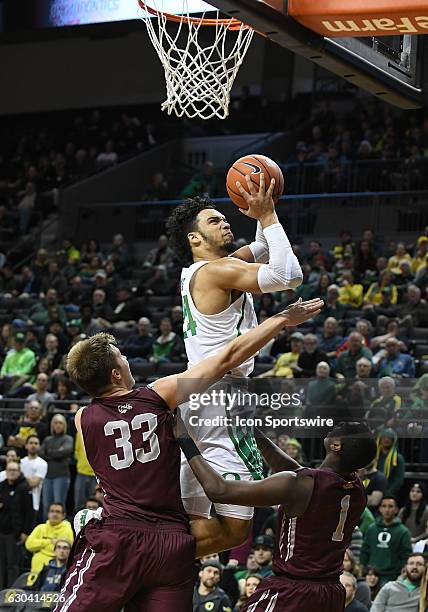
<point x="377" y="49"/>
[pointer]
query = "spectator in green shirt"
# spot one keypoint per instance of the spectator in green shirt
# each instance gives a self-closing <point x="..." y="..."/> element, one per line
<point x="44" y="312"/>
<point x="347" y="362"/>
<point x="387" y="544"/>
<point x="18" y="365"/>
<point x="168" y="346"/>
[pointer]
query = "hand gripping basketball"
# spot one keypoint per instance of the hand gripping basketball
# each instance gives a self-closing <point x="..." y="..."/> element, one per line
<point x="253" y="166"/>
<point x="259" y="202"/>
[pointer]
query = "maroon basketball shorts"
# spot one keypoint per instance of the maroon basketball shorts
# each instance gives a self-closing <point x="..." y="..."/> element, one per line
<point x="137" y="566"/>
<point x="285" y="594"/>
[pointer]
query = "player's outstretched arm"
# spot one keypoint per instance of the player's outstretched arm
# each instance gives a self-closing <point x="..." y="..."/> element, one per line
<point x="177" y="389"/>
<point x="273" y="455"/>
<point x="282" y="488"/>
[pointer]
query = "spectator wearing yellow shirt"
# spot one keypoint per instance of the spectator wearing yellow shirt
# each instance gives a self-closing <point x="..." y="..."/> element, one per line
<point x="71" y="251"/>
<point x="420" y="256"/>
<point x="85" y="483"/>
<point x="400" y="255"/>
<point x="350" y="293"/>
<point x="28" y="425"/>
<point x="373" y="295"/>
<point x="41" y="541"/>
<point x="286" y="364"/>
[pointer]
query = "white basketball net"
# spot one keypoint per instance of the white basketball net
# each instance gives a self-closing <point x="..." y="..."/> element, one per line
<point x="199" y="76"/>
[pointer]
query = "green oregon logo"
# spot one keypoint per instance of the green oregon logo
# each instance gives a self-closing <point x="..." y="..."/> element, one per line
<point x="234" y="475"/>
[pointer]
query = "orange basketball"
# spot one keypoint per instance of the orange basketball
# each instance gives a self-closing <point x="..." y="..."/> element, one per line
<point x="253" y="165"/>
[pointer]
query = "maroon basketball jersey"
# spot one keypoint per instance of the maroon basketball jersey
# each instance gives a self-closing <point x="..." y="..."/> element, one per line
<point x="131" y="448"/>
<point x="313" y="545"/>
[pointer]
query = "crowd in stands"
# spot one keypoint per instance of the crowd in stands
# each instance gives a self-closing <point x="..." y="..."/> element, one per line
<point x="40" y="156"/>
<point x="363" y="356"/>
<point x="362" y="150"/>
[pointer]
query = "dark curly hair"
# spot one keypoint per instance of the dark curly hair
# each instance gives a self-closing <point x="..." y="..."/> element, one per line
<point x="182" y="221"/>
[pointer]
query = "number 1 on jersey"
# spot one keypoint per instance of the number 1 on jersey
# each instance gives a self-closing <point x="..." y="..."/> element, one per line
<point x="189" y="322"/>
<point x="344" y="507"/>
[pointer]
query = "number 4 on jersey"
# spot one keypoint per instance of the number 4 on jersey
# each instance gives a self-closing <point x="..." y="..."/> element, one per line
<point x="189" y="322"/>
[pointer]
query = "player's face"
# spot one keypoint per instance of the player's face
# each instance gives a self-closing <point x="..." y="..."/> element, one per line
<point x="123" y="366"/>
<point x="215" y="230"/>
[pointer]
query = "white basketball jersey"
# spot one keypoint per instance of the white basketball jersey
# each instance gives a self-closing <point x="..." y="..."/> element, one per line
<point x="205" y="335"/>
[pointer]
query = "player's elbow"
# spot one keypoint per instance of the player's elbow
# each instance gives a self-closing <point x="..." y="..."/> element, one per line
<point x="271" y="279"/>
<point x="215" y="490"/>
<point x="295" y="282"/>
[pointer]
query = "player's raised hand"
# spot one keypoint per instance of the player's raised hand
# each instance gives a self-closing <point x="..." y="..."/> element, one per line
<point x="260" y="202"/>
<point x="301" y="311"/>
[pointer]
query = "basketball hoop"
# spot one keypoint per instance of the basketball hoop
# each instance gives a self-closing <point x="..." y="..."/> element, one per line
<point x="199" y="74"/>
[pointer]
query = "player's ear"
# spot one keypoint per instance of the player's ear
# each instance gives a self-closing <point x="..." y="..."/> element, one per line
<point x="335" y="446"/>
<point x="116" y="376"/>
<point x="194" y="239"/>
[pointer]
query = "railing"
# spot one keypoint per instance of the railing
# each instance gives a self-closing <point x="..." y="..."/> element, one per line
<point x="413" y="448"/>
<point x="388" y="213"/>
<point x="356" y="176"/>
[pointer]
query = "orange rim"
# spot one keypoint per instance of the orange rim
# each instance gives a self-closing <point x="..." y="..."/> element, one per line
<point x="231" y="23"/>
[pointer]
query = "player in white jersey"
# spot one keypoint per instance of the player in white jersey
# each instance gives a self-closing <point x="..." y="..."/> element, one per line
<point x="217" y="307"/>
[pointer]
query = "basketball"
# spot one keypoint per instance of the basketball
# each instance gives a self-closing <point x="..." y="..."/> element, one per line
<point x="253" y="165"/>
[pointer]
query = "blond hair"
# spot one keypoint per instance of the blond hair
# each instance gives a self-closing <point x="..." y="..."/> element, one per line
<point x="90" y="362"/>
<point x="63" y="420"/>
